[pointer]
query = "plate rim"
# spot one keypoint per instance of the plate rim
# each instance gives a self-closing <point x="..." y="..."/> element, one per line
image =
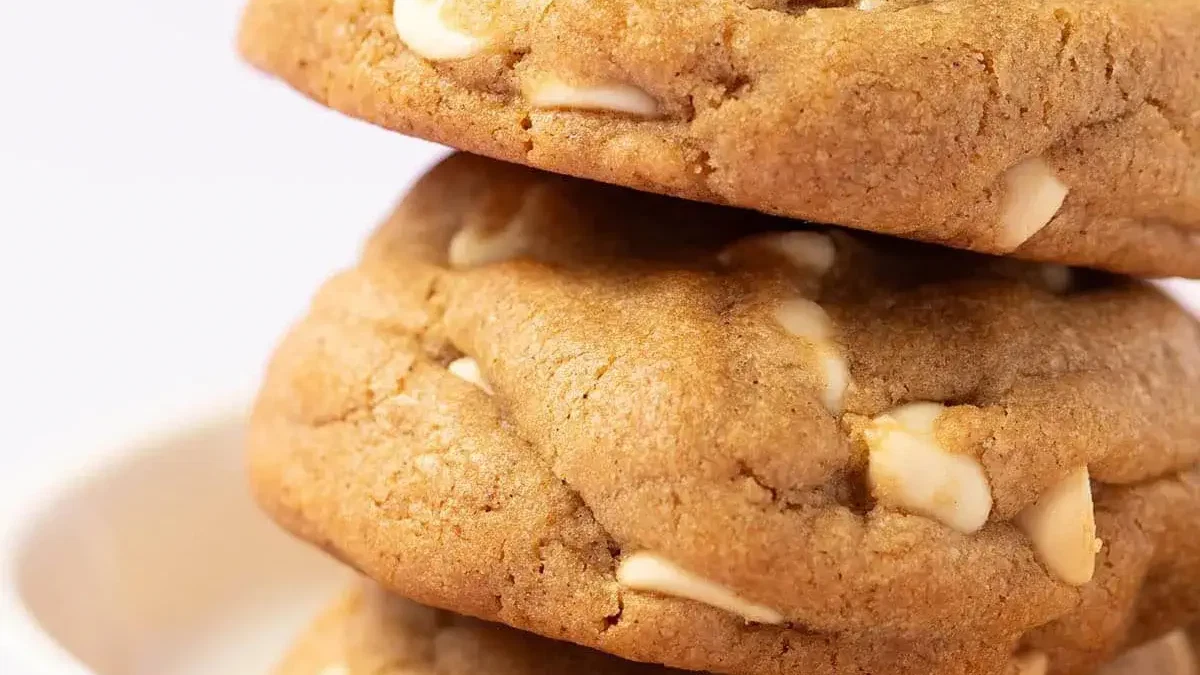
<point x="109" y="445"/>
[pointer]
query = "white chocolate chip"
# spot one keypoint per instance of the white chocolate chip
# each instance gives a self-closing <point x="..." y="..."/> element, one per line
<point x="467" y="369"/>
<point x="837" y="378"/>
<point x="470" y="247"/>
<point x="1178" y="651"/>
<point x="1031" y="663"/>
<point x="551" y="92"/>
<point x="1061" y="524"/>
<point x="482" y="242"/>
<point x="1175" y="648"/>
<point x="805" y="319"/>
<point x="1057" y="278"/>
<point x="1171" y="654"/>
<point x="649" y="572"/>
<point x="868" y="5"/>
<point x="917" y="418"/>
<point x="908" y="469"/>
<point x="421" y="28"/>
<point x="812" y="253"/>
<point x="1032" y="195"/>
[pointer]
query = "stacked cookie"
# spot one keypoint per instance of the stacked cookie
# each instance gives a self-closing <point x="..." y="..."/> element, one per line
<point x="368" y="632"/>
<point x="700" y="436"/>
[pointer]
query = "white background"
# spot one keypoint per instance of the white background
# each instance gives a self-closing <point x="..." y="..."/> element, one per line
<point x="164" y="214"/>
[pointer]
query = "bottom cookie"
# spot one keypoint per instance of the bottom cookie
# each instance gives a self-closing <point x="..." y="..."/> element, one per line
<point x="1171" y="654"/>
<point x="367" y="632"/>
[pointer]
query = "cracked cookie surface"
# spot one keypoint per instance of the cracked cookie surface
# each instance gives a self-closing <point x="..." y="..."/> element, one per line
<point x="532" y="403"/>
<point x="1063" y="132"/>
<point x="369" y="633"/>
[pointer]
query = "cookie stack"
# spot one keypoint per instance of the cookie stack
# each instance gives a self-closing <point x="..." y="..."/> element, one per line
<point x="688" y="434"/>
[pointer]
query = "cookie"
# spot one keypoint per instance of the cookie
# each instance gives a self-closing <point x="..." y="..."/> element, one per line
<point x="734" y="446"/>
<point x="1062" y="132"/>
<point x="323" y="648"/>
<point x="368" y="633"/>
<point x="1171" y="654"/>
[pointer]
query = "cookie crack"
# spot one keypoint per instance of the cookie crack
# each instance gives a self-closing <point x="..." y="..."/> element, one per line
<point x="599" y="375"/>
<point x="745" y="472"/>
<point x="1066" y="30"/>
<point x="613" y="620"/>
<point x="995" y="91"/>
<point x="1168" y="115"/>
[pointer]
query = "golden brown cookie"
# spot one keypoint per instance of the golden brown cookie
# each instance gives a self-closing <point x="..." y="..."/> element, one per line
<point x="733" y="447"/>
<point x="369" y="633"/>
<point x="1064" y="132"/>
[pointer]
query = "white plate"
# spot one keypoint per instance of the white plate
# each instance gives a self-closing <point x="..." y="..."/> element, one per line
<point x="156" y="562"/>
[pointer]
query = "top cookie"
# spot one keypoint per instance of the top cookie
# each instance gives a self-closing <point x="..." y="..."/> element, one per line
<point x="530" y="404"/>
<point x="1064" y="132"/>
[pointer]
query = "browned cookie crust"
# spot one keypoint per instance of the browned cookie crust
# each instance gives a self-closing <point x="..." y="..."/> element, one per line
<point x="369" y="633"/>
<point x="532" y="403"/>
<point x="934" y="120"/>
